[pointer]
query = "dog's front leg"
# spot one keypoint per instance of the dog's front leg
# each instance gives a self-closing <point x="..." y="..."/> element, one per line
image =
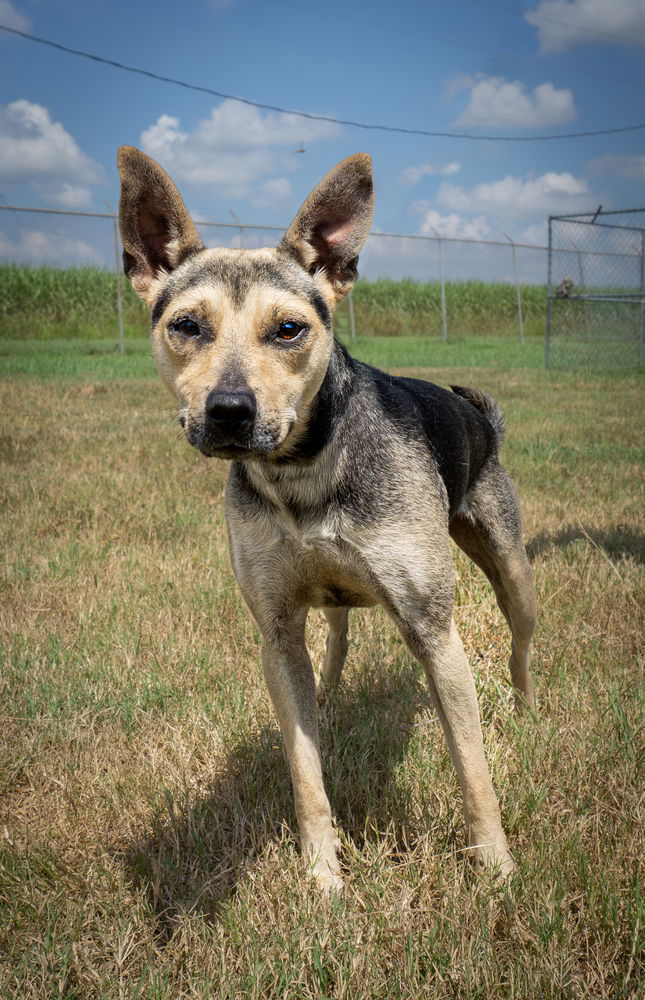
<point x="290" y="680"/>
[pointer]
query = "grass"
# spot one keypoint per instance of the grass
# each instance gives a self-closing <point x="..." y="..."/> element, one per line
<point x="47" y="303"/>
<point x="147" y="843"/>
<point x="101" y="360"/>
<point x="44" y="303"/>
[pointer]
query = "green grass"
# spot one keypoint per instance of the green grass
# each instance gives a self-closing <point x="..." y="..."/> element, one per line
<point x="147" y="844"/>
<point x="387" y="307"/>
<point x="101" y="359"/>
<point x="45" y="303"/>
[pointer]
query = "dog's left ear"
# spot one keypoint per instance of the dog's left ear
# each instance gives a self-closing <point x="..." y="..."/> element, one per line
<point x="332" y="225"/>
<point x="156" y="229"/>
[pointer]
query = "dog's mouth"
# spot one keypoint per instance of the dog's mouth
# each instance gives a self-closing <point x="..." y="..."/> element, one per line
<point x="243" y="443"/>
<point x="232" y="452"/>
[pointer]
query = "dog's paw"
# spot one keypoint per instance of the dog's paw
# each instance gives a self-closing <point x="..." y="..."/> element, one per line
<point x="493" y="859"/>
<point x="328" y="880"/>
<point x="325" y="869"/>
<point x="324" y="690"/>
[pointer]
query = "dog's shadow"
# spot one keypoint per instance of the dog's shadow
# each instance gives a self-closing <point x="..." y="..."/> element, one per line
<point x="618" y="542"/>
<point x="197" y="850"/>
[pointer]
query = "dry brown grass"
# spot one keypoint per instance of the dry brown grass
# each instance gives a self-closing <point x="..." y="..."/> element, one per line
<point x="146" y="829"/>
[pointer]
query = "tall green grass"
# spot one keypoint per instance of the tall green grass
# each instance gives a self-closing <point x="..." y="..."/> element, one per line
<point x="388" y="307"/>
<point x="43" y="303"/>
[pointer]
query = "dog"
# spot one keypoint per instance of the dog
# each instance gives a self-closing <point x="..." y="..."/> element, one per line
<point x="346" y="484"/>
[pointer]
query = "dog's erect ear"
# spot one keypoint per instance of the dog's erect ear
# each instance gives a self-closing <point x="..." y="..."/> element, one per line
<point x="332" y="225"/>
<point x="156" y="229"/>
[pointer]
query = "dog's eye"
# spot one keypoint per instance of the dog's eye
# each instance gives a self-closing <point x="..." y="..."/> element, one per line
<point x="187" y="327"/>
<point x="289" y="330"/>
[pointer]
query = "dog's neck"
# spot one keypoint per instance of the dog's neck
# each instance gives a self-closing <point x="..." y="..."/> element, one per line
<point x="325" y="413"/>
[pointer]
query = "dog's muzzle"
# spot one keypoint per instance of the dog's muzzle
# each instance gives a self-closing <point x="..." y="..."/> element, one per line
<point x="229" y="417"/>
<point x="230" y="414"/>
<point x="227" y="425"/>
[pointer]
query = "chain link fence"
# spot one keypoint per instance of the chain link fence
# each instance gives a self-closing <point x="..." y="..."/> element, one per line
<point x="431" y="285"/>
<point x="596" y="290"/>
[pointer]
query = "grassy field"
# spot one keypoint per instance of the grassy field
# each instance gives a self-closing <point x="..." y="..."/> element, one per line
<point x="48" y="303"/>
<point x="147" y="843"/>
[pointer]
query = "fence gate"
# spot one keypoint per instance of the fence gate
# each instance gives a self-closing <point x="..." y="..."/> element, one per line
<point x="596" y="290"/>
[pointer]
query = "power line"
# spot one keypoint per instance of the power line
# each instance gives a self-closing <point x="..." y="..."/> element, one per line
<point x="310" y="115"/>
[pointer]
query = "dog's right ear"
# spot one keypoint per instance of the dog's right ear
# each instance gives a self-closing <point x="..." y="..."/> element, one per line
<point x="332" y="225"/>
<point x="156" y="229"/>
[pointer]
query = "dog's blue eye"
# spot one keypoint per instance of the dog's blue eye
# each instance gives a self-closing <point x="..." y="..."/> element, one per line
<point x="188" y="327"/>
<point x="289" y="330"/>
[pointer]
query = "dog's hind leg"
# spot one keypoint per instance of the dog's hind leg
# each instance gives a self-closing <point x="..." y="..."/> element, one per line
<point x="491" y="534"/>
<point x="453" y="690"/>
<point x="336" y="649"/>
<point x="290" y="680"/>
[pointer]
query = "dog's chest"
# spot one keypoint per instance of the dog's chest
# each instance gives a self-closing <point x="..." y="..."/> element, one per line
<point x="310" y="542"/>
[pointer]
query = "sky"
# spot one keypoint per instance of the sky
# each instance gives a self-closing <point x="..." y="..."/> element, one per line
<point x="514" y="68"/>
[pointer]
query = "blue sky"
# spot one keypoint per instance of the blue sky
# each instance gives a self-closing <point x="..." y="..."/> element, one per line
<point x="513" y="67"/>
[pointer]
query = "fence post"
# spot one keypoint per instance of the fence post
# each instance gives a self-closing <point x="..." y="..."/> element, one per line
<point x="444" y="316"/>
<point x="518" y="293"/>
<point x="549" y="298"/>
<point x="641" y="330"/>
<point x="117" y="276"/>
<point x="352" y="322"/>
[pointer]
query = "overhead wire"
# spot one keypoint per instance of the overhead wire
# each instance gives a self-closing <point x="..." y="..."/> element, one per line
<point x="310" y="115"/>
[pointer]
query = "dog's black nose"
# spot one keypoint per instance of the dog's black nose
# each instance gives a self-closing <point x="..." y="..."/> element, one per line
<point x="230" y="410"/>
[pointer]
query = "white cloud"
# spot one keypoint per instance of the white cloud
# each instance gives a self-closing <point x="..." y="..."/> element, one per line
<point x="496" y="102"/>
<point x="12" y="17"/>
<point x="562" y="24"/>
<point x="514" y="197"/>
<point x="622" y="164"/>
<point x="419" y="260"/>
<point x="412" y="175"/>
<point x="36" y="247"/>
<point x="454" y="225"/>
<point x="455" y="84"/>
<point x="35" y="149"/>
<point x="247" y="239"/>
<point x="63" y="194"/>
<point x="234" y="146"/>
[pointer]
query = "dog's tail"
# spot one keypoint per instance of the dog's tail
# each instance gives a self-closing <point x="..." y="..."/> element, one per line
<point x="486" y="405"/>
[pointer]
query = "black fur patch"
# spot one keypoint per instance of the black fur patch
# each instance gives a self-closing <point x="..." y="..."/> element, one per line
<point x="460" y="437"/>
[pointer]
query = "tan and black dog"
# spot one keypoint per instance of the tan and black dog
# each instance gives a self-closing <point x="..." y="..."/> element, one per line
<point x="345" y="484"/>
